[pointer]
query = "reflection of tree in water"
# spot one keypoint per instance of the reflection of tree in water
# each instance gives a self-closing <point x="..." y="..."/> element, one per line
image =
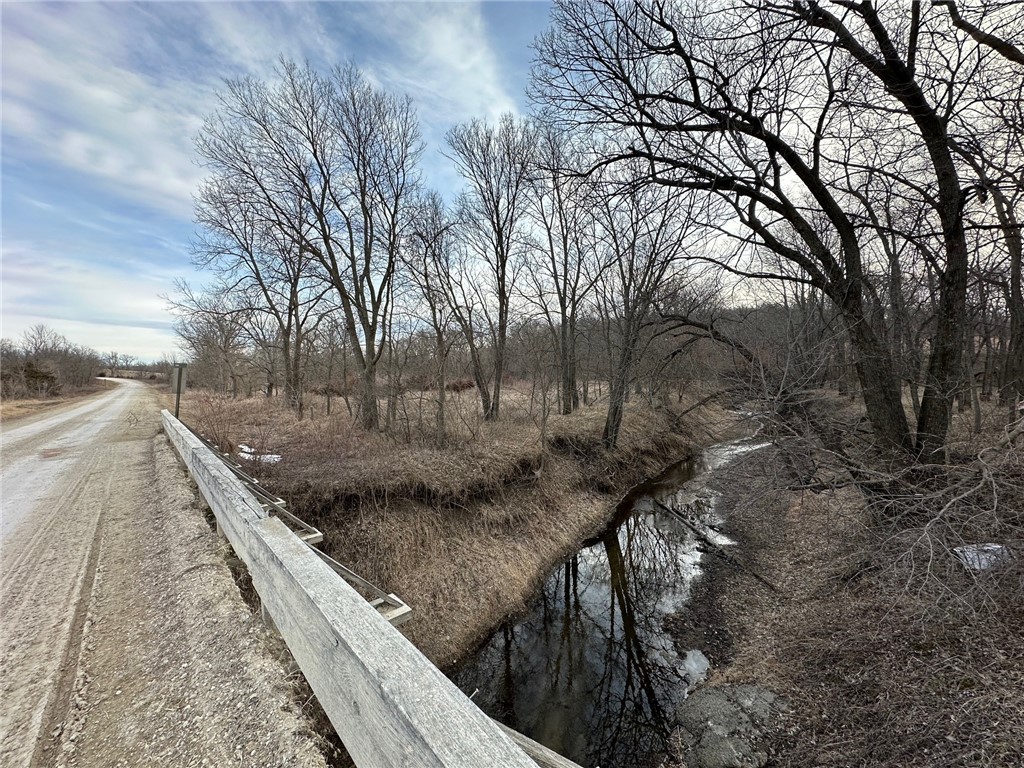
<point x="590" y="672"/>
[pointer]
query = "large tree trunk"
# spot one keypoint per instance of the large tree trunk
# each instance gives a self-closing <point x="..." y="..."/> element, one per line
<point x="492" y="413"/>
<point x="499" y="353"/>
<point x="479" y="377"/>
<point x="880" y="386"/>
<point x="369" y="418"/>
<point x="293" y="374"/>
<point x="944" y="363"/>
<point x="567" y="366"/>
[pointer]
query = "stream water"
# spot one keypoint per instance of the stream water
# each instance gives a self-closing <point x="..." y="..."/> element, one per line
<point x="589" y="670"/>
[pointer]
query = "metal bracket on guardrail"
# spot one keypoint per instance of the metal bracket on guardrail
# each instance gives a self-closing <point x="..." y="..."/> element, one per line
<point x="389" y="605"/>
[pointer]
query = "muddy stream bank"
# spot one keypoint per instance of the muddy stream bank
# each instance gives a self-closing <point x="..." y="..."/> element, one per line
<point x="592" y="669"/>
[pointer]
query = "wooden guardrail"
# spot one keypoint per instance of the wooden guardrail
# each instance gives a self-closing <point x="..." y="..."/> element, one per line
<point x="389" y="704"/>
<point x="389" y="605"/>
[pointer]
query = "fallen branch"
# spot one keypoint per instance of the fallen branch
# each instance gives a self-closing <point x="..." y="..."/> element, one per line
<point x="719" y="550"/>
<point x="1013" y="430"/>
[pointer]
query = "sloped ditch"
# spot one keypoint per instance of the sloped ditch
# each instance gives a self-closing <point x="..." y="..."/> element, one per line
<point x="590" y="670"/>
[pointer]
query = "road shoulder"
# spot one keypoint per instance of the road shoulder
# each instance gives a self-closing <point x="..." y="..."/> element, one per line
<point x="174" y="668"/>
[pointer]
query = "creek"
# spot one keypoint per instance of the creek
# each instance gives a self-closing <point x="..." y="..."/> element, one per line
<point x="589" y="670"/>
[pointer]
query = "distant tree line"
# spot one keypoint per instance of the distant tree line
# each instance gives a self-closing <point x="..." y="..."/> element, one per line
<point x="44" y="364"/>
<point x="854" y="170"/>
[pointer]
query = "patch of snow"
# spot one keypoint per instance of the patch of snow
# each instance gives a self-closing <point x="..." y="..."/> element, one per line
<point x="980" y="557"/>
<point x="718" y="456"/>
<point x="696" y="666"/>
<point x="250" y="454"/>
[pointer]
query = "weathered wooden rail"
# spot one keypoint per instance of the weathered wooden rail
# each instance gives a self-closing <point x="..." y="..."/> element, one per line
<point x="389" y="704"/>
<point x="390" y="606"/>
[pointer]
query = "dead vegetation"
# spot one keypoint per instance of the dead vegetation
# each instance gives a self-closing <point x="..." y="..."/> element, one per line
<point x="889" y="649"/>
<point x="463" y="532"/>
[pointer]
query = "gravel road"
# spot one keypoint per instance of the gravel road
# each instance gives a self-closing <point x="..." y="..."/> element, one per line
<point x="124" y="641"/>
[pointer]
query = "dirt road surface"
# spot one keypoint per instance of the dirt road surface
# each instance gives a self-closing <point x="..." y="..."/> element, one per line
<point x="123" y="639"/>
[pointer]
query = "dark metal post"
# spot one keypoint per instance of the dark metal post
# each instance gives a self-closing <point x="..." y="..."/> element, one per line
<point x="179" y="384"/>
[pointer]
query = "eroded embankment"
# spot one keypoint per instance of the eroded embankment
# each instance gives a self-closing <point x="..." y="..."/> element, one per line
<point x="466" y="536"/>
<point x="871" y="669"/>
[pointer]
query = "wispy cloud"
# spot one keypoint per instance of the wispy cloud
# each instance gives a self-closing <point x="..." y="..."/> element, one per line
<point x="76" y="104"/>
<point x="90" y="302"/>
<point x="101" y="102"/>
<point x="442" y="56"/>
<point x="448" y="61"/>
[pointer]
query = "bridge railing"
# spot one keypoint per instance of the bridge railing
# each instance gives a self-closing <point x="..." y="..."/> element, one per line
<point x="388" y="703"/>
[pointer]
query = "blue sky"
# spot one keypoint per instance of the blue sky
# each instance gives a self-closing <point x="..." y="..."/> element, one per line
<point x="101" y="101"/>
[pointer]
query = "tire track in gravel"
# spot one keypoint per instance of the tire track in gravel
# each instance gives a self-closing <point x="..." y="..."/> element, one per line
<point x="40" y="455"/>
<point x="48" y="555"/>
<point x="124" y="640"/>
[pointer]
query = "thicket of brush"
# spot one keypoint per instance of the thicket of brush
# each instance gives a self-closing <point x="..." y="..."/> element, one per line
<point x="889" y="649"/>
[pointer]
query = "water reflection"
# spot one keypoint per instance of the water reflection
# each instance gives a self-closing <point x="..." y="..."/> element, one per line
<point x="590" y="672"/>
<point x="586" y="673"/>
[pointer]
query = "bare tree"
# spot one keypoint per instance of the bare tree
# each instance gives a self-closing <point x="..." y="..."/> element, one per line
<point x="259" y="255"/>
<point x="645" y="234"/>
<point x="44" y="363"/>
<point x="761" y="105"/>
<point x="211" y="330"/>
<point x="348" y="152"/>
<point x="1001" y="12"/>
<point x="429" y="266"/>
<point x="989" y="140"/>
<point x="560" y="206"/>
<point x="41" y="339"/>
<point x="496" y="163"/>
<point x="112" y="360"/>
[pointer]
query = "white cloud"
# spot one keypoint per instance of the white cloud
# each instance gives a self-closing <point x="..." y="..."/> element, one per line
<point x="76" y="103"/>
<point x="248" y="39"/>
<point x="96" y="305"/>
<point x="441" y="56"/>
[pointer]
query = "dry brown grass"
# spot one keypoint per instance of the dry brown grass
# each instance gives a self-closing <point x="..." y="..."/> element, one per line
<point x="889" y="650"/>
<point x="464" y="531"/>
<point x="15" y="410"/>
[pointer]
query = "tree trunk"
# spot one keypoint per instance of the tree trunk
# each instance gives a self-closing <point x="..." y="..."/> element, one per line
<point x="568" y="386"/>
<point x="567" y="365"/>
<point x="293" y="374"/>
<point x="480" y="379"/>
<point x="295" y="397"/>
<point x="879" y="384"/>
<point x="441" y="354"/>
<point x="499" y="372"/>
<point x="944" y="363"/>
<point x="618" y="392"/>
<point x="492" y="413"/>
<point x="369" y="418"/>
